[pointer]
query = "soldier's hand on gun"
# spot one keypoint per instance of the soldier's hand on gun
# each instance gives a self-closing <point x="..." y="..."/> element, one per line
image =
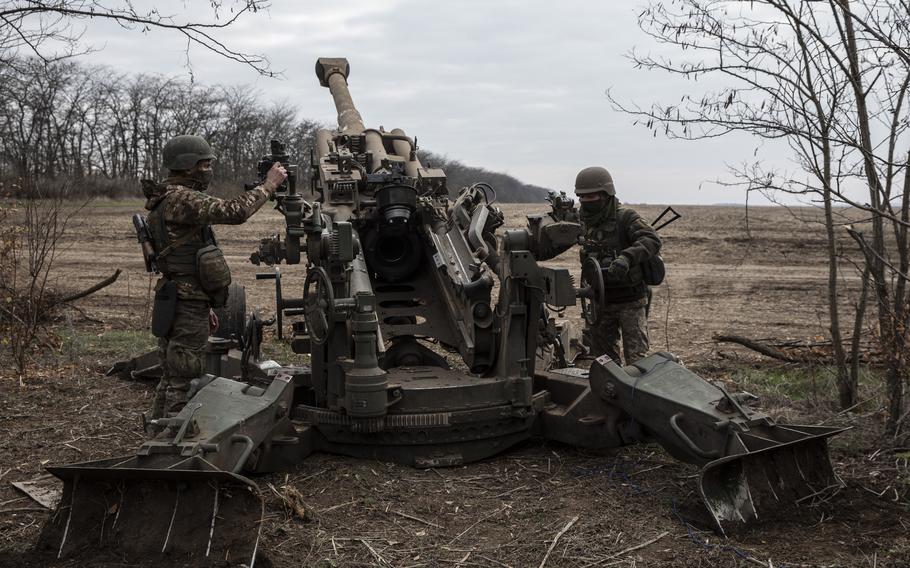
<point x="619" y="267"/>
<point x="275" y="177"/>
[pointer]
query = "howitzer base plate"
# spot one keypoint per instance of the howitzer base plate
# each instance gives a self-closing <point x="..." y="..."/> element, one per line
<point x="446" y="417"/>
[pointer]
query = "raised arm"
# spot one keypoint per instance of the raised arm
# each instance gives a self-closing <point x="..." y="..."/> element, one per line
<point x="188" y="207"/>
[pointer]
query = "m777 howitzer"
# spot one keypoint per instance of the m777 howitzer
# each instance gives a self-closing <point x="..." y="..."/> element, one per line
<point x="393" y="266"/>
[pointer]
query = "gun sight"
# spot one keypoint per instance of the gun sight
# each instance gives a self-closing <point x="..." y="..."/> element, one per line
<point x="277" y="153"/>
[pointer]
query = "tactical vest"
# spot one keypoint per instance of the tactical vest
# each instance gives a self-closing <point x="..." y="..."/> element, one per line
<point x="605" y="242"/>
<point x="180" y="260"/>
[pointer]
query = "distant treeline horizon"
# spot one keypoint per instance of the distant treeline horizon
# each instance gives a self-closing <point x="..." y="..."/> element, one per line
<point x="90" y="131"/>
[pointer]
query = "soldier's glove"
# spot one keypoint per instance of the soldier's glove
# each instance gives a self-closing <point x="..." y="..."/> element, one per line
<point x="619" y="268"/>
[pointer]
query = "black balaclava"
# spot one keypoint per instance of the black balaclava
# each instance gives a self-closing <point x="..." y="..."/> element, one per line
<point x="596" y="212"/>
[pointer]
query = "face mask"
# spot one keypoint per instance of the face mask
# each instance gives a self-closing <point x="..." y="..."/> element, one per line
<point x="591" y="207"/>
<point x="204" y="177"/>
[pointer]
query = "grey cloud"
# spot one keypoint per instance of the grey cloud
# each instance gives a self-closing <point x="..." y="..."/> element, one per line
<point x="511" y="86"/>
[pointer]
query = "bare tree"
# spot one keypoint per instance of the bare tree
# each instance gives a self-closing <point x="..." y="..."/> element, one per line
<point x="29" y="235"/>
<point x="90" y="124"/>
<point x="55" y="29"/>
<point x="830" y="80"/>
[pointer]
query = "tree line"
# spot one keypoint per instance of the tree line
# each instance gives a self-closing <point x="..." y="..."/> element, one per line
<point x="82" y="124"/>
<point x="508" y="189"/>
<point x="91" y="131"/>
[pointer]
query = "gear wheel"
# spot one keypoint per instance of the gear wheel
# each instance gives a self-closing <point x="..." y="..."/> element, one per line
<point x="591" y="291"/>
<point x="319" y="304"/>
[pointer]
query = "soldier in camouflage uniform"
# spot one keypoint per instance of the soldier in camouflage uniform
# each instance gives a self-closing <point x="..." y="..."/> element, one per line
<point x="193" y="268"/>
<point x="621" y="241"/>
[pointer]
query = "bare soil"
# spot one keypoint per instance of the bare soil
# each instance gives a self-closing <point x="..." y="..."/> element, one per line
<point x="631" y="507"/>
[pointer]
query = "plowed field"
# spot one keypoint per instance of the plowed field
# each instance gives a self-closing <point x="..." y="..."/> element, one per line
<point x="763" y="277"/>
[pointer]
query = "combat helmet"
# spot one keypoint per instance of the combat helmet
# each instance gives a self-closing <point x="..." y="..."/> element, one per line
<point x="183" y="152"/>
<point x="594" y="179"/>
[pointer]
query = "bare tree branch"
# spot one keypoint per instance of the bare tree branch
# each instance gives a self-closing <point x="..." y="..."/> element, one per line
<point x="830" y="79"/>
<point x="33" y="23"/>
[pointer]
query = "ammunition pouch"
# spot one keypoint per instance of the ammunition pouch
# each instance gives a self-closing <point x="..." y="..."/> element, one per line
<point x="165" y="308"/>
<point x="213" y="273"/>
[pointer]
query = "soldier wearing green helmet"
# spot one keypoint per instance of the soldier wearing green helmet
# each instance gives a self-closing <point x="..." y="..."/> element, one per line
<point x="621" y="241"/>
<point x="194" y="274"/>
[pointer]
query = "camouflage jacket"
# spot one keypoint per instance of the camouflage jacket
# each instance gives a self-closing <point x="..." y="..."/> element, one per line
<point x="185" y="210"/>
<point x="623" y="233"/>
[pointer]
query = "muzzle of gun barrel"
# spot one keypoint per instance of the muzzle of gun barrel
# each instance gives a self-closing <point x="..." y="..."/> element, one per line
<point x="396" y="204"/>
<point x="393" y="248"/>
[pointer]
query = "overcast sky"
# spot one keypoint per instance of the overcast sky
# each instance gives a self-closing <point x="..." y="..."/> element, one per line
<point x="512" y="86"/>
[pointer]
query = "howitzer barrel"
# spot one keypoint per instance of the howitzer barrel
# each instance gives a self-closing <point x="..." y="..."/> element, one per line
<point x="333" y="73"/>
<point x="403" y="148"/>
<point x="376" y="148"/>
<point x="323" y="137"/>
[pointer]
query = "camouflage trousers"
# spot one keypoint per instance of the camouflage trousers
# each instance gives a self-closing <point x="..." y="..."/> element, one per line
<point x="182" y="355"/>
<point x="627" y="323"/>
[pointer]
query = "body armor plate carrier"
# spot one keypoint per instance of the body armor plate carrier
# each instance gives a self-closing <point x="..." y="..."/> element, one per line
<point x="605" y="242"/>
<point x="193" y="256"/>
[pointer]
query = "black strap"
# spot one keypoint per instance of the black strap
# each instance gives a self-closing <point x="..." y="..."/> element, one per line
<point x="175" y="243"/>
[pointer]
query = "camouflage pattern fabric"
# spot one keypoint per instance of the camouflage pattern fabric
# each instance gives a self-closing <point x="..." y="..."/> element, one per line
<point x="610" y="232"/>
<point x="618" y="230"/>
<point x="621" y="323"/>
<point x="181" y="354"/>
<point x="185" y="208"/>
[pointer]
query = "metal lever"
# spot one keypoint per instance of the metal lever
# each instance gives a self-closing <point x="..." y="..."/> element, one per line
<point x="665" y="212"/>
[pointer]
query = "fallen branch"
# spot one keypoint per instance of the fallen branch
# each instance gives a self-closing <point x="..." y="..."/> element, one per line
<point x="849" y="409"/>
<point x="765" y="350"/>
<point x="418" y="519"/>
<point x="493" y="514"/>
<point x="375" y="554"/>
<point x="338" y="506"/>
<point x="556" y="540"/>
<point x="630" y="549"/>
<point x="819" y="492"/>
<point x="91" y="290"/>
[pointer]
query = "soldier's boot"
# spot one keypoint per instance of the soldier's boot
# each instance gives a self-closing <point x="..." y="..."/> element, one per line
<point x="177" y="390"/>
<point x="175" y="399"/>
<point x="159" y="406"/>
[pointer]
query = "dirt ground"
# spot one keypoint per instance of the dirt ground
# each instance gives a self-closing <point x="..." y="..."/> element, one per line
<point x="631" y="507"/>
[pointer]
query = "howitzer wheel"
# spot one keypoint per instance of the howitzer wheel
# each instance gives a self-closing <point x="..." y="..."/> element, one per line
<point x="319" y="307"/>
<point x="591" y="293"/>
<point x="252" y="341"/>
<point x="232" y="316"/>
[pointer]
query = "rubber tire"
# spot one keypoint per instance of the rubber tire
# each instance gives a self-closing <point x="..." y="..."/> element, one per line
<point x="232" y="316"/>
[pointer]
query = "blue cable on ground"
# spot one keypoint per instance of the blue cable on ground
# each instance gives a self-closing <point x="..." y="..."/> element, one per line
<point x="697" y="540"/>
<point x="615" y="471"/>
